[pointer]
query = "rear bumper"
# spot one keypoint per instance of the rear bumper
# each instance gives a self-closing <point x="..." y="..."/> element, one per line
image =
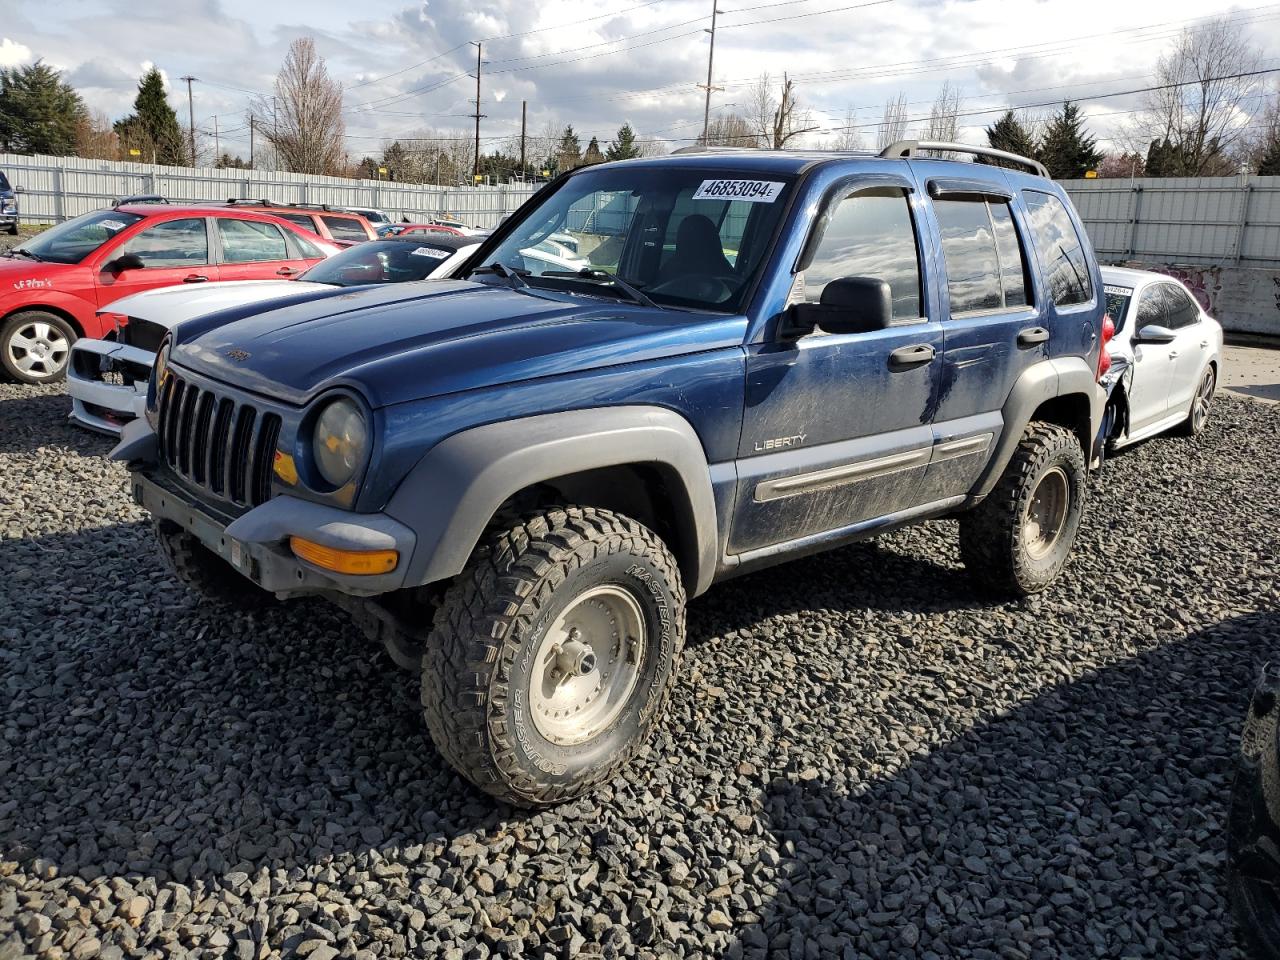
<point x="256" y="544"/>
<point x="98" y="380"/>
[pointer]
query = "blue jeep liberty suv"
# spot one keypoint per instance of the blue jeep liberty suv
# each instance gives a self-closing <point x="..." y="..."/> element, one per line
<point x="655" y="375"/>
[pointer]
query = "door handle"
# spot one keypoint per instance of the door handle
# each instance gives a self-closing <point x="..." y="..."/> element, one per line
<point x="195" y="278"/>
<point x="286" y="272"/>
<point x="906" y="357"/>
<point x="1031" y="336"/>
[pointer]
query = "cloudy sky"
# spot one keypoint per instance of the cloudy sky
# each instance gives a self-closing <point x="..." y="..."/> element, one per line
<point x="405" y="64"/>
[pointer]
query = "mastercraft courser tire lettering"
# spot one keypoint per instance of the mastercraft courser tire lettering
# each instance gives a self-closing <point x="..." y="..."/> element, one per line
<point x="1020" y="537"/>
<point x="481" y="669"/>
<point x="203" y="571"/>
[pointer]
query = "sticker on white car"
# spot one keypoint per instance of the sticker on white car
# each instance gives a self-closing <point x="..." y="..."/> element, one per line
<point x="752" y="191"/>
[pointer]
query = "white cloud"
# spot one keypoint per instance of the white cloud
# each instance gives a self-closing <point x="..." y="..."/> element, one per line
<point x="13" y="54"/>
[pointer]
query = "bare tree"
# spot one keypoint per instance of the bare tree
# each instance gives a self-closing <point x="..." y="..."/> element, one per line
<point x="847" y="138"/>
<point x="777" y="120"/>
<point x="893" y="122"/>
<point x="303" y="121"/>
<point x="944" y="116"/>
<point x="730" y="130"/>
<point x="1199" y="110"/>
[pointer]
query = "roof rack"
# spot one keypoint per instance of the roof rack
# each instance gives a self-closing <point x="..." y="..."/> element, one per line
<point x="250" y="202"/>
<point x="139" y="198"/>
<point x="908" y="148"/>
<point x="699" y="148"/>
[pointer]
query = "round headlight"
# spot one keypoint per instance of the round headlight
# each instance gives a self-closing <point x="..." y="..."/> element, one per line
<point x="341" y="441"/>
<point x="162" y="361"/>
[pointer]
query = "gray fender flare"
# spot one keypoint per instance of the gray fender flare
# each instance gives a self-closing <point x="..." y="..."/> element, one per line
<point x="1046" y="380"/>
<point x="449" y="497"/>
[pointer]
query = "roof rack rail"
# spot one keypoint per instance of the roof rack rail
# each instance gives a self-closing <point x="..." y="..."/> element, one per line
<point x="139" y="198"/>
<point x="698" y="148"/>
<point x="908" y="148"/>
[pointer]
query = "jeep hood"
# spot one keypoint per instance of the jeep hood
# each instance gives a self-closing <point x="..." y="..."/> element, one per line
<point x="411" y="341"/>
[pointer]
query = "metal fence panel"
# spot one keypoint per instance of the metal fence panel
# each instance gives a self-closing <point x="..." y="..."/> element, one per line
<point x="56" y="188"/>
<point x="1187" y="220"/>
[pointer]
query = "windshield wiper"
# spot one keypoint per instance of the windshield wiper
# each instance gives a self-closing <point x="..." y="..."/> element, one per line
<point x="25" y="253"/>
<point x="604" y="276"/>
<point x="513" y="275"/>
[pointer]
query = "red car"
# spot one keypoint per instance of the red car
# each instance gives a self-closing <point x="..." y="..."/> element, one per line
<point x="52" y="286"/>
<point x="430" y="228"/>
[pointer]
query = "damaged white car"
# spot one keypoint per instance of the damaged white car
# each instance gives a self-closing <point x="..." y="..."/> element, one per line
<point x="107" y="379"/>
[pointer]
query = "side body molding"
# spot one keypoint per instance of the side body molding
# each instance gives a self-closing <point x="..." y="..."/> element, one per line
<point x="450" y="496"/>
<point x="1047" y="380"/>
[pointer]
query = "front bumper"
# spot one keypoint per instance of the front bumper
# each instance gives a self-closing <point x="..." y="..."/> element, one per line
<point x="257" y="542"/>
<point x="108" y="383"/>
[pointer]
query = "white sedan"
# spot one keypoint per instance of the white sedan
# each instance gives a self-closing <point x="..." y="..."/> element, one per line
<point x="107" y="379"/>
<point x="1167" y="356"/>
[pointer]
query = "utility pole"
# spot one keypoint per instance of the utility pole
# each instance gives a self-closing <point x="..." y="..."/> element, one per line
<point x="275" y="136"/>
<point x="191" y="117"/>
<point x="524" y="106"/>
<point x="711" y="59"/>
<point x="251" y="141"/>
<point x="217" y="144"/>
<point x="475" y="170"/>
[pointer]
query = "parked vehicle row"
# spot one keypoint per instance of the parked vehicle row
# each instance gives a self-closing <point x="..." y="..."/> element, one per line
<point x="8" y="206"/>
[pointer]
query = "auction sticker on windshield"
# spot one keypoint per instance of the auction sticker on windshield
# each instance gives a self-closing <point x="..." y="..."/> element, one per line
<point x="431" y="252"/>
<point x="752" y="191"/>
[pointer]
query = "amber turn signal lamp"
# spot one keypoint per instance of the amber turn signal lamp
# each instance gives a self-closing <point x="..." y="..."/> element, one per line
<point x="359" y="562"/>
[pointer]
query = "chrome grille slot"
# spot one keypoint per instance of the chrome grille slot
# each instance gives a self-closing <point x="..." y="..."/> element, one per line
<point x="221" y="444"/>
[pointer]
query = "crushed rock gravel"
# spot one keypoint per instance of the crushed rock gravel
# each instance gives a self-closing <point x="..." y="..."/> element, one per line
<point x="862" y="759"/>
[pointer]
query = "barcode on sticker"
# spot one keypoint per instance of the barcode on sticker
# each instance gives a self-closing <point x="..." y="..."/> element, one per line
<point x="752" y="191"/>
<point x="431" y="252"/>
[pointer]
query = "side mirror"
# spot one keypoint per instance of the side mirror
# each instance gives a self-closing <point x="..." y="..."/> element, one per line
<point x="126" y="261"/>
<point x="848" y="305"/>
<point x="1153" y="333"/>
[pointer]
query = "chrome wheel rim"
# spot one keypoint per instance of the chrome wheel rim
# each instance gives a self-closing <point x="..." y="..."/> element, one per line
<point x="1046" y="515"/>
<point x="38" y="349"/>
<point x="587" y="666"/>
<point x="1200" y="405"/>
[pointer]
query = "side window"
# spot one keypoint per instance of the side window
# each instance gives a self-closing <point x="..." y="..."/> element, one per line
<point x="969" y="249"/>
<point x="345" y="228"/>
<point x="1183" y="311"/>
<point x="1013" y="265"/>
<point x="298" y="219"/>
<point x="1151" y="307"/>
<point x="176" y="243"/>
<point x="308" y="249"/>
<point x="1061" y="252"/>
<point x="870" y="234"/>
<point x="251" y="241"/>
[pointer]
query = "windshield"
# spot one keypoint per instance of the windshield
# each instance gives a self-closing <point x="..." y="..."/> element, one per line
<point x="74" y="240"/>
<point x="4" y="184"/>
<point x="683" y="236"/>
<point x="1118" y="304"/>
<point x="382" y="261"/>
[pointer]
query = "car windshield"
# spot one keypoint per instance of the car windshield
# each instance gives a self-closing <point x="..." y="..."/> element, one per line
<point x="4" y="184"/>
<point x="1118" y="304"/>
<point x="691" y="237"/>
<point x="74" y="240"/>
<point x="383" y="261"/>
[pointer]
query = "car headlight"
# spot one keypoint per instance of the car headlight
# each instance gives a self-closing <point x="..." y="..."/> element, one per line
<point x="340" y="442"/>
<point x="162" y="362"/>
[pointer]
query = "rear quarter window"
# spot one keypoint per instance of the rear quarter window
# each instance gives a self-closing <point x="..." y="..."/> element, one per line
<point x="1062" y="256"/>
<point x="345" y="228"/>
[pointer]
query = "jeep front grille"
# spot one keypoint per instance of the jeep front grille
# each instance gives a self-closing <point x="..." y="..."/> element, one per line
<point x="222" y="444"/>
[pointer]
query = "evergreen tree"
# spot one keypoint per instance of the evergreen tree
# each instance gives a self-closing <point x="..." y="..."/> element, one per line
<point x="623" y="146"/>
<point x="1067" y="149"/>
<point x="593" y="154"/>
<point x="569" y="152"/>
<point x="1270" y="165"/>
<point x="1009" y="134"/>
<point x="39" y="113"/>
<point x="153" y="127"/>
<point x="1164" y="159"/>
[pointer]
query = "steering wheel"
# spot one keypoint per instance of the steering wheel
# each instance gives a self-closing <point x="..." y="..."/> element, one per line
<point x="708" y="289"/>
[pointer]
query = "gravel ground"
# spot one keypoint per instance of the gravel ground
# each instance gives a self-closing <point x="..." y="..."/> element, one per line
<point x="862" y="758"/>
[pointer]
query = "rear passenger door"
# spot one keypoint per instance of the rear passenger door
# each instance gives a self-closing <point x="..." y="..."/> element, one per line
<point x="993" y="326"/>
<point x="1189" y="350"/>
<point x="836" y="426"/>
<point x="255" y="250"/>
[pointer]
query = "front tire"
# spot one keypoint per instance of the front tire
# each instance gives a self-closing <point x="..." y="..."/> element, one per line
<point x="35" y="346"/>
<point x="1020" y="537"/>
<point x="554" y="654"/>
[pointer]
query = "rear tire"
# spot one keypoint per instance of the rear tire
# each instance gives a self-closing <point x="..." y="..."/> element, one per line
<point x="554" y="654"/>
<point x="35" y="346"/>
<point x="1020" y="537"/>
<point x="202" y="570"/>
<point x="1198" y="414"/>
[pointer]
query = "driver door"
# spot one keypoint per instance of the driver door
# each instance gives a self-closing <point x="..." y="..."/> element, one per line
<point x="1153" y="363"/>
<point x="837" y="427"/>
<point x="172" y="252"/>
